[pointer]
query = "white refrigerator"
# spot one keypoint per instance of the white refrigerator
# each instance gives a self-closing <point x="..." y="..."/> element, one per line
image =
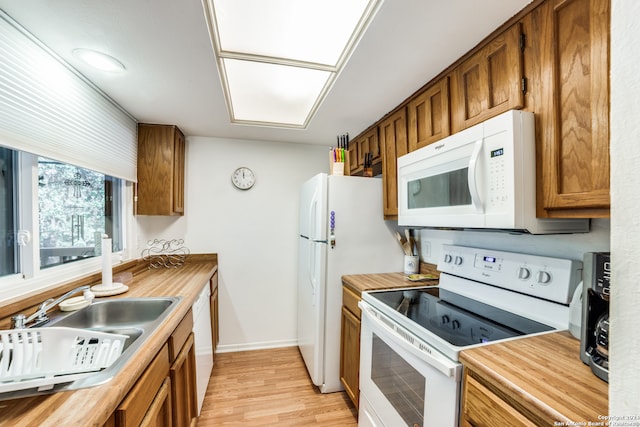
<point x="342" y="231"/>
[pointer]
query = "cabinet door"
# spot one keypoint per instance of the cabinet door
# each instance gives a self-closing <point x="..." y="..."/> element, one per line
<point x="355" y="166"/>
<point x="160" y="187"/>
<point x="178" y="173"/>
<point x="574" y="54"/>
<point x="159" y="413"/>
<point x="481" y="407"/>
<point x="183" y="391"/>
<point x="134" y="407"/>
<point x="428" y="115"/>
<point x="350" y="355"/>
<point x="489" y="82"/>
<point x="393" y="140"/>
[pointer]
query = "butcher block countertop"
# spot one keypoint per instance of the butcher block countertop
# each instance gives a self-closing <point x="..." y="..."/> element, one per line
<point x="93" y="406"/>
<point x="359" y="283"/>
<point x="543" y="377"/>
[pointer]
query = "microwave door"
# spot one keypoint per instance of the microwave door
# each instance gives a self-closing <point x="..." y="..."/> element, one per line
<point x="443" y="190"/>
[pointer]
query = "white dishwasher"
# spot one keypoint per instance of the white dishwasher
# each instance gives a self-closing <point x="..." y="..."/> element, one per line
<point x="202" y="342"/>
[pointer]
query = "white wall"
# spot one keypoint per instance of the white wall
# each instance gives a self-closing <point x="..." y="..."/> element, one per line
<point x="624" y="345"/>
<point x="253" y="232"/>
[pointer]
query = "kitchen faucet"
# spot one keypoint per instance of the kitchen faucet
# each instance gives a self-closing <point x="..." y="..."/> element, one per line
<point x="20" y="321"/>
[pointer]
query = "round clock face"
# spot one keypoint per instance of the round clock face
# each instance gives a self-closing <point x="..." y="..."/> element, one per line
<point x="243" y="178"/>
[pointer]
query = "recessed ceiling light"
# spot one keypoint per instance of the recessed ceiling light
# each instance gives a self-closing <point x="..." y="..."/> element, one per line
<point x="99" y="60"/>
<point x="279" y="58"/>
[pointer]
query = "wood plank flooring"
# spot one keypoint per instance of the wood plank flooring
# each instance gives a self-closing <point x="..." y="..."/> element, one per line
<point x="270" y="388"/>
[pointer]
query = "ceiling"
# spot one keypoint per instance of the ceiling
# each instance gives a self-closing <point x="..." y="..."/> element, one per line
<point x="172" y="78"/>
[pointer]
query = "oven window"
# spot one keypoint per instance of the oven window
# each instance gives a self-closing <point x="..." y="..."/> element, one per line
<point x="400" y="383"/>
<point x="446" y="189"/>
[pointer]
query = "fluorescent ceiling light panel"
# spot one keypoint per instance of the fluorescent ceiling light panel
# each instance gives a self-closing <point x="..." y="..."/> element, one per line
<point x="281" y="95"/>
<point x="279" y="58"/>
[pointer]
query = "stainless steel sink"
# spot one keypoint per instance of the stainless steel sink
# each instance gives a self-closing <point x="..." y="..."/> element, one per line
<point x="135" y="317"/>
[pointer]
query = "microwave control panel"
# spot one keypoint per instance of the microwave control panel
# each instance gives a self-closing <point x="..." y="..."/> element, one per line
<point x="554" y="279"/>
<point x="497" y="190"/>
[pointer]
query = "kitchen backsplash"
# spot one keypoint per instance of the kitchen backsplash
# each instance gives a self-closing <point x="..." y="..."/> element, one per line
<point x="572" y="246"/>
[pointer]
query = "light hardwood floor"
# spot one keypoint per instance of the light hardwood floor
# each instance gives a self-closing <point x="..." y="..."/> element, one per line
<point x="270" y="388"/>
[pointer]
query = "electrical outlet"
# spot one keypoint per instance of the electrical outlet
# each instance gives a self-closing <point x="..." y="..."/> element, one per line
<point x="425" y="249"/>
<point x="431" y="249"/>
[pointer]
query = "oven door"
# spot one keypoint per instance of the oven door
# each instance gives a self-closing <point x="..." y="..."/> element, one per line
<point x="403" y="381"/>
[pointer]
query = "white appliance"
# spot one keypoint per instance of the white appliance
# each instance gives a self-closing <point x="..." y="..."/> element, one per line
<point x="482" y="177"/>
<point x="342" y="231"/>
<point x="410" y="374"/>
<point x="202" y="342"/>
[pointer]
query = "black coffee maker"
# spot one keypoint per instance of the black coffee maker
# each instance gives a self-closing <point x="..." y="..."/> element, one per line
<point x="594" y="348"/>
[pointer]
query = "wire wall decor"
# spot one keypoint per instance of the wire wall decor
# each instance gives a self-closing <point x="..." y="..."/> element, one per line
<point x="165" y="253"/>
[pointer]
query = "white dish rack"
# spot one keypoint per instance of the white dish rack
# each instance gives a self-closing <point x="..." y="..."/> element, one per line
<point x="40" y="358"/>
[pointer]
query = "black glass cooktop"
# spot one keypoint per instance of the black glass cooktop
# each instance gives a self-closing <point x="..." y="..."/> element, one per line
<point x="455" y="318"/>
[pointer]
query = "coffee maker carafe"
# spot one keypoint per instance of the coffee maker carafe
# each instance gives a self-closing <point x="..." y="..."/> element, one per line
<point x="594" y="342"/>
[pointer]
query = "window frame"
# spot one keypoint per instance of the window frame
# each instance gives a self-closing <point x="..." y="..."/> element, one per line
<point x="31" y="279"/>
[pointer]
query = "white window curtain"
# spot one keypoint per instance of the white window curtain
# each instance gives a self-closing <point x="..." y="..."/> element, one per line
<point x="49" y="110"/>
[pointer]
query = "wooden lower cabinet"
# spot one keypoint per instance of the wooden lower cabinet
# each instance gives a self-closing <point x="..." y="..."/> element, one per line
<point x="183" y="391"/>
<point x="350" y="345"/>
<point x="482" y="407"/>
<point x="146" y="394"/>
<point x="165" y="395"/>
<point x="159" y="413"/>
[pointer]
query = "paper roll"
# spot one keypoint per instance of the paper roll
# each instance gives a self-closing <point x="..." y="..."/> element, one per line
<point x="107" y="273"/>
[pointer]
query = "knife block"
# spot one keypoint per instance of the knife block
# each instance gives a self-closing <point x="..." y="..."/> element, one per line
<point x="338" y="168"/>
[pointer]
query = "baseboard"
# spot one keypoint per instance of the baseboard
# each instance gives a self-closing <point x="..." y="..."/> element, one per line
<point x="230" y="348"/>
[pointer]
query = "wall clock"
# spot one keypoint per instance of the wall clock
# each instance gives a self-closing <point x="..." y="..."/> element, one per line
<point x="243" y="178"/>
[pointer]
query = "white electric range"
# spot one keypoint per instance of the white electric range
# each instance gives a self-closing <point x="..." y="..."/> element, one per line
<point x="411" y="338"/>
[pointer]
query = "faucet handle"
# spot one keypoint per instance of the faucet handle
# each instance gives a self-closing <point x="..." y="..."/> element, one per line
<point x="17" y="321"/>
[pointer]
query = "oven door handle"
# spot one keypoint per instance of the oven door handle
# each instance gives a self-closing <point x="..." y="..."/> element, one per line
<point x="409" y="342"/>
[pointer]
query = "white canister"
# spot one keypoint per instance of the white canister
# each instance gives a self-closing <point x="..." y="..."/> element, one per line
<point x="411" y="264"/>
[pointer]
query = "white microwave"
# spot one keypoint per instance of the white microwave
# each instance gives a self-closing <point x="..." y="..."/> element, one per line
<point x="483" y="177"/>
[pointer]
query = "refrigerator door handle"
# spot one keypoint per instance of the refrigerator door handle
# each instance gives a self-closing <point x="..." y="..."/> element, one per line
<point x="311" y="271"/>
<point x="313" y="216"/>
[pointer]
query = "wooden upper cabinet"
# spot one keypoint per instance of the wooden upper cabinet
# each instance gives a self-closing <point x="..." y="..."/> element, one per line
<point x="428" y="115"/>
<point x="489" y="82"/>
<point x="366" y="142"/>
<point x="355" y="168"/>
<point x="392" y="132"/>
<point x="160" y="187"/>
<point x="571" y="58"/>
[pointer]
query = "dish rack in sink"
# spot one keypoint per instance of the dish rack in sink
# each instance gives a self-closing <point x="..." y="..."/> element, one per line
<point x="40" y="358"/>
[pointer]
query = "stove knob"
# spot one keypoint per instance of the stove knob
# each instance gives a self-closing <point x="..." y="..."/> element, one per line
<point x="448" y="258"/>
<point x="445" y="319"/>
<point x="524" y="273"/>
<point x="543" y="277"/>
<point x="455" y="324"/>
<point x="458" y="260"/>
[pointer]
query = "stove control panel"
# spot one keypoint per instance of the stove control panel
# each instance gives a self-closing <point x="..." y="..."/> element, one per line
<point x="553" y="279"/>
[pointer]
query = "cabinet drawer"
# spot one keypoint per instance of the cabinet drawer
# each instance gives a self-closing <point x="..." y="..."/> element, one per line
<point x="180" y="335"/>
<point x="350" y="301"/>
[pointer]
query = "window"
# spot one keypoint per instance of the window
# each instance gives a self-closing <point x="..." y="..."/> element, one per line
<point x="75" y="207"/>
<point x="8" y="247"/>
